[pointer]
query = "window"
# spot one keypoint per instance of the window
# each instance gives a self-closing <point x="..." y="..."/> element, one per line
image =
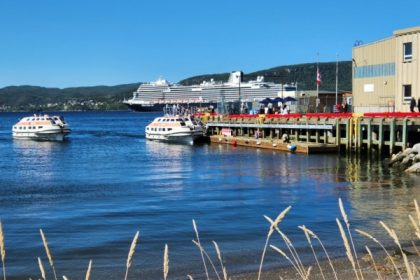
<point x="408" y="51"/>
<point x="407" y="93"/>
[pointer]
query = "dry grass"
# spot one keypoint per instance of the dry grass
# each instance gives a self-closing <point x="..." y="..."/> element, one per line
<point x="2" y="250"/>
<point x="131" y="254"/>
<point x="166" y="262"/>
<point x="200" y="247"/>
<point x="47" y="251"/>
<point x="408" y="269"/>
<point x="41" y="269"/>
<point x="273" y="226"/>
<point x="89" y="269"/>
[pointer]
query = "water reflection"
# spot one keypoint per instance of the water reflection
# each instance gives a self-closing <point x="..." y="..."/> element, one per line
<point x="170" y="164"/>
<point x="35" y="159"/>
<point x="381" y="193"/>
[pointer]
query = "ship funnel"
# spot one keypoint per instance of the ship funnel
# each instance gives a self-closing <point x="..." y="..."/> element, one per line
<point x="235" y="77"/>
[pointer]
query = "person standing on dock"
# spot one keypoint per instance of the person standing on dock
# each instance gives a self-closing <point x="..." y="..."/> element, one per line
<point x="412" y="104"/>
<point x="418" y="104"/>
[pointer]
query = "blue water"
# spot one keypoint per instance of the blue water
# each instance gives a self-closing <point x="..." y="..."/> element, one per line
<point x="91" y="194"/>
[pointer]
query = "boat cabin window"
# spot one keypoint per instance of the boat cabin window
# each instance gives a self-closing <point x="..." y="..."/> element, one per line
<point x="169" y="129"/>
<point x="172" y="120"/>
<point x="40" y="126"/>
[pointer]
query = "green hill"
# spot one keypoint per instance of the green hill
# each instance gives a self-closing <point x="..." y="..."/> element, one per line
<point x="303" y="74"/>
<point x="32" y="98"/>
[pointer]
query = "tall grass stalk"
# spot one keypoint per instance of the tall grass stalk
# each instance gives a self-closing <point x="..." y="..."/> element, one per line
<point x="346" y="220"/>
<point x="365" y="234"/>
<point x="3" y="251"/>
<point x="165" y="262"/>
<point x="308" y="238"/>
<point x="270" y="232"/>
<point x="394" y="236"/>
<point x="301" y="274"/>
<point x="292" y="250"/>
<point x="313" y="235"/>
<point x="41" y="268"/>
<point x="208" y="258"/>
<point x="347" y="246"/>
<point x="415" y="248"/>
<point x="88" y="271"/>
<point x="48" y="252"/>
<point x="373" y="262"/>
<point x="415" y="225"/>
<point x="289" y="245"/>
<point x="200" y="247"/>
<point x="219" y="255"/>
<point x="131" y="254"/>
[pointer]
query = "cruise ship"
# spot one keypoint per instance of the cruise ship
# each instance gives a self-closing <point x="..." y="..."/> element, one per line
<point x="155" y="95"/>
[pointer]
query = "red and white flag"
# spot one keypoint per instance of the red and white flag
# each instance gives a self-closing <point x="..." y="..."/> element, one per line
<point x="318" y="77"/>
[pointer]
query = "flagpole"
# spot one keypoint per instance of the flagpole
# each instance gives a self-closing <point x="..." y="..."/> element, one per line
<point x="317" y="83"/>
<point x="317" y="71"/>
<point x="336" y="82"/>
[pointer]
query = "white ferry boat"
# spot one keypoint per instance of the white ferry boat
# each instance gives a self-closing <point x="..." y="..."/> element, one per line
<point x="41" y="127"/>
<point x="175" y="128"/>
<point x="154" y="96"/>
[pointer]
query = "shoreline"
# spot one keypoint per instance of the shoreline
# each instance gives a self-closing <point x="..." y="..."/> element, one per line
<point x="342" y="267"/>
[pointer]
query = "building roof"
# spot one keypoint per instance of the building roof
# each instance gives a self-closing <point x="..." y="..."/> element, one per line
<point x="407" y="31"/>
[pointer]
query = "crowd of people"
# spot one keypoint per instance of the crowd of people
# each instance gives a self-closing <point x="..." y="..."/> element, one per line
<point x="270" y="109"/>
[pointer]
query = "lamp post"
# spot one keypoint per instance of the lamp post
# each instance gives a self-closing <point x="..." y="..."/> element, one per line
<point x="239" y="91"/>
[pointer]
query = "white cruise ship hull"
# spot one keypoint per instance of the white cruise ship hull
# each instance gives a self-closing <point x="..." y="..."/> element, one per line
<point x="155" y="95"/>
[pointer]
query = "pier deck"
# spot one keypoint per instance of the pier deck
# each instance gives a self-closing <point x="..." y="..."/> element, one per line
<point x="274" y="144"/>
<point x="318" y="132"/>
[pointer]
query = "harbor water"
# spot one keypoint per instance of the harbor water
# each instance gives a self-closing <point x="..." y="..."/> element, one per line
<point x="91" y="193"/>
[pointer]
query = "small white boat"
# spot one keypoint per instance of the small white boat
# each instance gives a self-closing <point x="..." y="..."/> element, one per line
<point x="175" y="128"/>
<point x="41" y="127"/>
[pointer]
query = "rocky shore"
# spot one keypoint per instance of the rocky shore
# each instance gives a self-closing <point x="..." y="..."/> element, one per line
<point x="409" y="159"/>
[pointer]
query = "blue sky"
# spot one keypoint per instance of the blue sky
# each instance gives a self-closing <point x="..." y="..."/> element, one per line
<point x="59" y="43"/>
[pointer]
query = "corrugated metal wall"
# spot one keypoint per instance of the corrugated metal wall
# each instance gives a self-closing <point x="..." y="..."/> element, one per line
<point x="374" y="94"/>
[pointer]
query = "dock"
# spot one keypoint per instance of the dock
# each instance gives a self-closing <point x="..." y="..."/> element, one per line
<point x="317" y="132"/>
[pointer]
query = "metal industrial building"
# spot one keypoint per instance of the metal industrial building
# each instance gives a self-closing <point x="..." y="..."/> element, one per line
<point x="386" y="73"/>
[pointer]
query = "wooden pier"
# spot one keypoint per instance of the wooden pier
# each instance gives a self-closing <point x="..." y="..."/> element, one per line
<point x="381" y="132"/>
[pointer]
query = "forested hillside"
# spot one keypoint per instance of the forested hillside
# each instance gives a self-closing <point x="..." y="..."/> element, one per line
<point x="303" y="74"/>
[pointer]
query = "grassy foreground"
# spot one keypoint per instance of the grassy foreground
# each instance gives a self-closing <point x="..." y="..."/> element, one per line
<point x="404" y="263"/>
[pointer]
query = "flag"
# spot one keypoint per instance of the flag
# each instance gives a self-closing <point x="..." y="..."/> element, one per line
<point x="318" y="77"/>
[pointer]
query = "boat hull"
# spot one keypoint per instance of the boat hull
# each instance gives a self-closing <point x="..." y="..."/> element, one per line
<point x="41" y="136"/>
<point x="180" y="138"/>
